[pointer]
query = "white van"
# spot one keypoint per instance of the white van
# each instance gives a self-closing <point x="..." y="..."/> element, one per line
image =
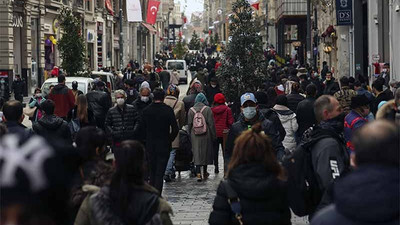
<point x="85" y="84"/>
<point x="180" y="66"/>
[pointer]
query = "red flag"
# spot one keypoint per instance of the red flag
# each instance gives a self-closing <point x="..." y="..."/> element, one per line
<point x="256" y="5"/>
<point x="152" y="9"/>
<point x="109" y="7"/>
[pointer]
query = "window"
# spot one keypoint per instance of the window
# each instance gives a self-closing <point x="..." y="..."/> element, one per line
<point x="89" y="5"/>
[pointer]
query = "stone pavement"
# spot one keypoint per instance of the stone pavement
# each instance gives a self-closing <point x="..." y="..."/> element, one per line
<point x="192" y="201"/>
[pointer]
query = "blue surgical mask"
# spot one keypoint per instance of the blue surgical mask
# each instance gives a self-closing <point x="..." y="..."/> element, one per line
<point x="249" y="112"/>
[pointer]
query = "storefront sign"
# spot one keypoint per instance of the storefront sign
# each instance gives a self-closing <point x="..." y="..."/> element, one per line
<point x="344" y="12"/>
<point x="18" y="21"/>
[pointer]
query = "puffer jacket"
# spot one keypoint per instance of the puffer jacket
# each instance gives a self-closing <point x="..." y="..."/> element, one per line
<point x="63" y="98"/>
<point x="51" y="126"/>
<point x="180" y="114"/>
<point x="223" y="118"/>
<point x="123" y="124"/>
<point x="263" y="198"/>
<point x="145" y="206"/>
<point x="99" y="102"/>
<point x="289" y="122"/>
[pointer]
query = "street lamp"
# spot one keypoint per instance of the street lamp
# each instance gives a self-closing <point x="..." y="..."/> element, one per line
<point x="121" y="46"/>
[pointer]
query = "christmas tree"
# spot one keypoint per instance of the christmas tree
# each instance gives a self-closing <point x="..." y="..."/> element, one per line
<point x="243" y="66"/>
<point x="194" y="43"/>
<point x="71" y="44"/>
<point x="179" y="49"/>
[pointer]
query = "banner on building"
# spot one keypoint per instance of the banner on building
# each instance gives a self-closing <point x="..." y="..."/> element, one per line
<point x="344" y="12"/>
<point x="109" y="7"/>
<point x="133" y="11"/>
<point x="152" y="9"/>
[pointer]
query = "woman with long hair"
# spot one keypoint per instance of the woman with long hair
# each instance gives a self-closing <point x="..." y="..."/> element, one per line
<point x="259" y="181"/>
<point x="82" y="113"/>
<point x="128" y="199"/>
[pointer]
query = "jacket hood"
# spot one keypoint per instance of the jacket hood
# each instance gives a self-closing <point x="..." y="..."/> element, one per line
<point x="219" y="109"/>
<point x="59" y="86"/>
<point x="51" y="122"/>
<point x="370" y="194"/>
<point x="254" y="181"/>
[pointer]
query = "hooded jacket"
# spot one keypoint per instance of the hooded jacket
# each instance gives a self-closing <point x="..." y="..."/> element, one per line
<point x="51" y="126"/>
<point x="293" y="100"/>
<point x="369" y="195"/>
<point x="63" y="98"/>
<point x="99" y="102"/>
<point x="289" y="122"/>
<point x="305" y="115"/>
<point x="223" y="118"/>
<point x="263" y="197"/>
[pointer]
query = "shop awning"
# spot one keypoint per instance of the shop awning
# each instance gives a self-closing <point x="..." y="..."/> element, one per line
<point x="149" y="27"/>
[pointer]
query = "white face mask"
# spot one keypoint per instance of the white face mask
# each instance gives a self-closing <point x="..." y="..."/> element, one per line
<point x="385" y="70"/>
<point x="120" y="101"/>
<point x="213" y="85"/>
<point x="38" y="95"/>
<point x="144" y="98"/>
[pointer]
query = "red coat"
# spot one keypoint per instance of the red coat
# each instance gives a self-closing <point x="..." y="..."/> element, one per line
<point x="63" y="98"/>
<point x="222" y="118"/>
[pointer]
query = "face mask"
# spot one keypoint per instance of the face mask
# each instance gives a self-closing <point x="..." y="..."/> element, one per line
<point x="213" y="85"/>
<point x="249" y="112"/>
<point x="384" y="70"/>
<point x="38" y="95"/>
<point x="328" y="79"/>
<point x="120" y="101"/>
<point x="315" y="74"/>
<point x="144" y="98"/>
<point x="338" y="122"/>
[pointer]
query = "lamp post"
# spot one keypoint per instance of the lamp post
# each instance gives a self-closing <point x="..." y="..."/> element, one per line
<point x="121" y="44"/>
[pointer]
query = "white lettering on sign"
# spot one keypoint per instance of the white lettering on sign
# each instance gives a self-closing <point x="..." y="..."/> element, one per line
<point x="18" y="21"/>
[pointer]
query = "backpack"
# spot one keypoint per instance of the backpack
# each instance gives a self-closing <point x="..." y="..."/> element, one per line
<point x="199" y="122"/>
<point x="304" y="193"/>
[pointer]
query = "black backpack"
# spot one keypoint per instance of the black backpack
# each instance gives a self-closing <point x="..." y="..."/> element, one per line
<point x="304" y="193"/>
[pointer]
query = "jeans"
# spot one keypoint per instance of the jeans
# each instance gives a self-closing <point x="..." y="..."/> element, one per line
<point x="170" y="166"/>
<point x="217" y="143"/>
<point x="198" y="169"/>
<point x="158" y="163"/>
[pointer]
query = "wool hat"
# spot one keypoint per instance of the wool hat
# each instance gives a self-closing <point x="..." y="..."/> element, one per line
<point x="219" y="98"/>
<point x="358" y="101"/>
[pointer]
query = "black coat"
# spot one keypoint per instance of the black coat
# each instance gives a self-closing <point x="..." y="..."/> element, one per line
<point x="160" y="126"/>
<point x="320" y="86"/>
<point x="73" y="114"/>
<point x="211" y="92"/>
<point x="99" y="102"/>
<point x="384" y="96"/>
<point x="51" y="126"/>
<point x="18" y="129"/>
<point x="123" y="124"/>
<point x="270" y="114"/>
<point x="293" y="100"/>
<point x="305" y="115"/>
<point x="331" y="87"/>
<point x="18" y="86"/>
<point x="369" y="195"/>
<point x="263" y="198"/>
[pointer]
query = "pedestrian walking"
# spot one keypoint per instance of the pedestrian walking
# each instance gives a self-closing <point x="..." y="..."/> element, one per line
<point x="211" y="90"/>
<point x="203" y="134"/>
<point x="80" y="116"/>
<point x="289" y="122"/>
<point x="122" y="120"/>
<point x="223" y="122"/>
<point x="172" y="100"/>
<point x="35" y="102"/>
<point x="160" y="128"/>
<point x="62" y="97"/>
<point x="131" y="91"/>
<point x="256" y="178"/>
<point x="380" y="94"/>
<point x="294" y="97"/>
<point x="18" y="86"/>
<point x="344" y="95"/>
<point x="189" y="99"/>
<point x="376" y="161"/>
<point x="331" y="86"/>
<point x="164" y="78"/>
<point x="75" y="90"/>
<point x="51" y="126"/>
<point x="13" y="117"/>
<point x="99" y="102"/>
<point x="128" y="199"/>
<point x="143" y="100"/>
<point x="174" y="78"/>
<point x="4" y="90"/>
<point x="305" y="110"/>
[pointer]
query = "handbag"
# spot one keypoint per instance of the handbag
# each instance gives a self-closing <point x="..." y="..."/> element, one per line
<point x="28" y="111"/>
<point x="233" y="200"/>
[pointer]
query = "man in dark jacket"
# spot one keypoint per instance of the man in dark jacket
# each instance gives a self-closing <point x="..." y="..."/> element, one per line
<point x="18" y="88"/>
<point x="305" y="110"/>
<point x="315" y="79"/>
<point x="131" y="92"/>
<point x="143" y="100"/>
<point x="164" y="78"/>
<point x="160" y="127"/>
<point x="122" y="120"/>
<point x="51" y="126"/>
<point x="13" y="117"/>
<point x="250" y="115"/>
<point x="381" y="95"/>
<point x="331" y="86"/>
<point x="294" y="97"/>
<point x="4" y="90"/>
<point x="62" y="97"/>
<point x="99" y="102"/>
<point x="211" y="90"/>
<point x="376" y="162"/>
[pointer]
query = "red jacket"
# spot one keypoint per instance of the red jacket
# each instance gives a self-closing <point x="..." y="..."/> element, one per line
<point x="222" y="118"/>
<point x="63" y="98"/>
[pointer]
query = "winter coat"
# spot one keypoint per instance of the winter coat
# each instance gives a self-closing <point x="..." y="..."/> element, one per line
<point x="202" y="145"/>
<point x="270" y="114"/>
<point x="263" y="197"/>
<point x="383" y="96"/>
<point x="222" y="118"/>
<point x="352" y="122"/>
<point x="99" y="102"/>
<point x="201" y="77"/>
<point x="174" y="78"/>
<point x="18" y="86"/>
<point x="289" y="122"/>
<point x="344" y="97"/>
<point x="140" y="105"/>
<point x="52" y="126"/>
<point x="331" y="87"/>
<point x="132" y="95"/>
<point x="180" y="115"/>
<point x="19" y="129"/>
<point x="159" y="127"/>
<point x="369" y="195"/>
<point x="305" y="115"/>
<point x="318" y="83"/>
<point x="4" y="91"/>
<point x="144" y="204"/>
<point x="35" y="102"/>
<point x="164" y="77"/>
<point x="387" y="111"/>
<point x="63" y="98"/>
<point x="123" y="124"/>
<point x="210" y="92"/>
<point x="293" y="100"/>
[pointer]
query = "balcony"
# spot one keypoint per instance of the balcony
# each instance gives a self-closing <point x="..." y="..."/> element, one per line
<point x="288" y="8"/>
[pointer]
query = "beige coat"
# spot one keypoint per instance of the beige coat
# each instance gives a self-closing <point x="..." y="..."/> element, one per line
<point x="180" y="114"/>
<point x="174" y="78"/>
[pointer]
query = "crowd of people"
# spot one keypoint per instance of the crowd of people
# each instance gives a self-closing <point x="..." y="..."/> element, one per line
<point x="104" y="162"/>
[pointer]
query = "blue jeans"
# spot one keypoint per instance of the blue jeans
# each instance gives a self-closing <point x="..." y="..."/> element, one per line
<point x="170" y="170"/>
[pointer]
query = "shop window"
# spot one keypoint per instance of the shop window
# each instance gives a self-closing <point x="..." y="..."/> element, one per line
<point x="89" y="5"/>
